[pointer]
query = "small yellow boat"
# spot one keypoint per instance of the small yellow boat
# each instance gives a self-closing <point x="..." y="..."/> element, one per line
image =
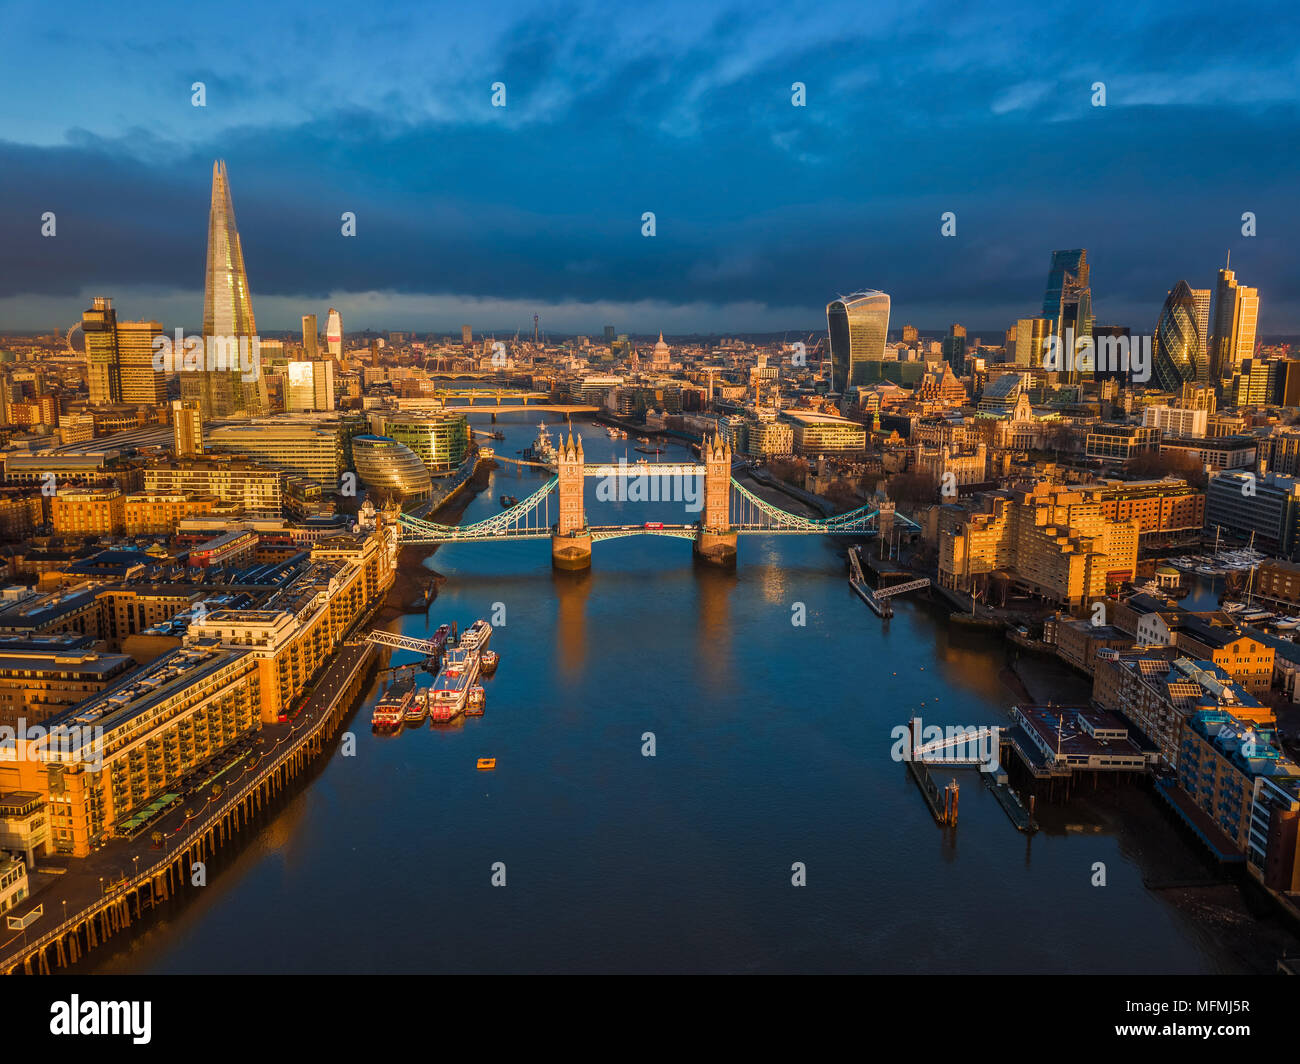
<point x="487" y="762"/>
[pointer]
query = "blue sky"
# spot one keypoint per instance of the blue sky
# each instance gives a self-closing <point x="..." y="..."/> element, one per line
<point x="764" y="211"/>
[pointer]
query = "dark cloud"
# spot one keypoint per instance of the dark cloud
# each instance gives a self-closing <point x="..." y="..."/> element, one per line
<point x="755" y="200"/>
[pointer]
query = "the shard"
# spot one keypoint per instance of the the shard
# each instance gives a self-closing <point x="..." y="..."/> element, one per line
<point x="224" y="389"/>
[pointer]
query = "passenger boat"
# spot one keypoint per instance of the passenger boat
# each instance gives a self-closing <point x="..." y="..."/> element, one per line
<point x="508" y="501"/>
<point x="450" y="691"/>
<point x="418" y="709"/>
<point x="440" y="637"/>
<point x="487" y="762"/>
<point x="488" y="662"/>
<point x="391" y="707"/>
<point x="476" y="637"/>
<point x="477" y="701"/>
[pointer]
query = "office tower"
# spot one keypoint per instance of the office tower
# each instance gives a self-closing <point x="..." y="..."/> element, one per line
<point x="466" y="336"/>
<point x="1067" y="303"/>
<point x="609" y="334"/>
<point x="954" y="349"/>
<point x="187" y="428"/>
<point x="1201" y="298"/>
<point x="229" y="329"/>
<point x="1176" y="345"/>
<point x="1111" y="341"/>
<point x="910" y="334"/>
<point x="1236" y="311"/>
<point x="334" y="333"/>
<point x="375" y="345"/>
<point x="1031" y="341"/>
<point x="857" y="325"/>
<point x="310" y="386"/>
<point x="138" y="380"/>
<point x="310" y="337"/>
<point x="99" y="326"/>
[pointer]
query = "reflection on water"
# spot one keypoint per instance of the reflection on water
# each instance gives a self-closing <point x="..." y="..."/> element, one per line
<point x="772" y="744"/>
<point x="571" y="591"/>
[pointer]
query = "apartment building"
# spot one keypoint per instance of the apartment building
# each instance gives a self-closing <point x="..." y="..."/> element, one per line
<point x="106" y="759"/>
<point x="1163" y="509"/>
<point x="256" y="488"/>
<point x="1053" y="541"/>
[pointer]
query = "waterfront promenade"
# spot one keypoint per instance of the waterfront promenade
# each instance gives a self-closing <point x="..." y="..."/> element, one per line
<point x="101" y="894"/>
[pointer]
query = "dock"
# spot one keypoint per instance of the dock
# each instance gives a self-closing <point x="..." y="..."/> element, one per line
<point x="879" y="599"/>
<point x="942" y="803"/>
<point x="1021" y="817"/>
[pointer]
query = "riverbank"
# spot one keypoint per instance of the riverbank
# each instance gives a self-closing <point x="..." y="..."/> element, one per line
<point x="97" y="897"/>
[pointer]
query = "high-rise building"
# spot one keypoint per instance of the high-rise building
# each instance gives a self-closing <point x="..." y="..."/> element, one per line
<point x="910" y="334"/>
<point x="1236" y="311"/>
<point x="334" y="333"/>
<point x="119" y="357"/>
<point x="1201" y="300"/>
<point x="954" y="349"/>
<point x="609" y="334"/>
<point x="310" y="337"/>
<point x="227" y="319"/>
<point x="1067" y="303"/>
<point x="466" y="336"/>
<point x="310" y="386"/>
<point x="138" y="380"/>
<point x="857" y="325"/>
<point x="1176" y="345"/>
<point x="187" y="428"/>
<point x="99" y="326"/>
<point x="1031" y="341"/>
<point x="1177" y="349"/>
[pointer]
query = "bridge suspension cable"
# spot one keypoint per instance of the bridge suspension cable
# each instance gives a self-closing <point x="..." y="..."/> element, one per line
<point x="529" y="519"/>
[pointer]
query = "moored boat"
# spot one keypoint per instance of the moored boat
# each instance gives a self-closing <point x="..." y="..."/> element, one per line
<point x="476" y="637"/>
<point x="476" y="702"/>
<point x="418" y="709"/>
<point x="391" y="708"/>
<point x="488" y="662"/>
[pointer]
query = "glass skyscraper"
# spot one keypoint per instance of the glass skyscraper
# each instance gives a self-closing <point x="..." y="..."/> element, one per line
<point x="1179" y="355"/>
<point x="227" y="315"/>
<point x="1067" y="303"/>
<point x="857" y="326"/>
<point x="1236" y="310"/>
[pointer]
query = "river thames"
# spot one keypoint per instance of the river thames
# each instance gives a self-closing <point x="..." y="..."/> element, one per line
<point x="772" y="746"/>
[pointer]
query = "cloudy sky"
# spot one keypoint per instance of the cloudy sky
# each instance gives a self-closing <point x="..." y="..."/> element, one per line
<point x="468" y="212"/>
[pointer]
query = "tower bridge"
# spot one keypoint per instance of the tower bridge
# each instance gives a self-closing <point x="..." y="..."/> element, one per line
<point x="728" y="510"/>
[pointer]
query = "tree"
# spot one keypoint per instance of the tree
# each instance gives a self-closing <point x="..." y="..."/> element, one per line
<point x="913" y="489"/>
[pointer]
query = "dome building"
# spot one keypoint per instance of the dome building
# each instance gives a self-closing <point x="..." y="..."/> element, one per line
<point x="391" y="471"/>
<point x="661" y="356"/>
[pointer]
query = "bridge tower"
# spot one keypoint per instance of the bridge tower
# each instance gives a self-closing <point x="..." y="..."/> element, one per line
<point x="571" y="542"/>
<point x="715" y="544"/>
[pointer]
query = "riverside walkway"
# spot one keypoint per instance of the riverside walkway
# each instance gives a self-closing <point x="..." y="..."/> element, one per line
<point x="100" y="895"/>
